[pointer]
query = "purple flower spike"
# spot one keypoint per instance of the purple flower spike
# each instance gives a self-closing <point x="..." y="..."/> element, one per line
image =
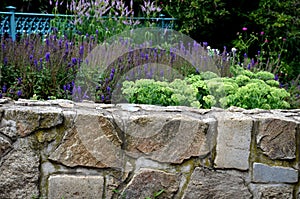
<point x="79" y="90"/>
<point x="205" y="43"/>
<point x="74" y="60"/>
<point x="47" y="56"/>
<point x="19" y="93"/>
<point x="249" y="66"/>
<point x="19" y="80"/>
<point x="276" y="77"/>
<point x="5" y="61"/>
<point x="47" y="42"/>
<point x="4" y="88"/>
<point x="244" y="29"/>
<point x="108" y="89"/>
<point x="81" y="49"/>
<point x="65" y="88"/>
<point x="245" y="55"/>
<point x="111" y="76"/>
<point x="252" y="62"/>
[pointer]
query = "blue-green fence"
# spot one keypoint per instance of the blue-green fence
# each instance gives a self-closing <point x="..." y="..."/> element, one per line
<point x="13" y="23"/>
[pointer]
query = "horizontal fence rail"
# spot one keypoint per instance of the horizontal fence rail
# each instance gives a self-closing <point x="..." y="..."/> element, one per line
<point x="13" y="23"/>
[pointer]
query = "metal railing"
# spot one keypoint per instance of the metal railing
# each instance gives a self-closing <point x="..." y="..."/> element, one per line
<point x="13" y="23"/>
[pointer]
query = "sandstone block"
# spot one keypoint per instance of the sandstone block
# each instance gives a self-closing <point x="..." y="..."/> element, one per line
<point x="92" y="142"/>
<point x="75" y="187"/>
<point x="274" y="174"/>
<point x="233" y="141"/>
<point x="205" y="183"/>
<point x="166" y="137"/>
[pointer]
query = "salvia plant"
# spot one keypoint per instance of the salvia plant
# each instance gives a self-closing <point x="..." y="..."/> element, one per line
<point x="43" y="66"/>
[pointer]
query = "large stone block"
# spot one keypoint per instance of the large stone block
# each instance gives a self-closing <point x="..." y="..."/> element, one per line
<point x="165" y="137"/>
<point x="19" y="171"/>
<point x="147" y="182"/>
<point x="277" y="138"/>
<point x="233" y="141"/>
<point x="30" y="119"/>
<point x="205" y="183"/>
<point x="75" y="187"/>
<point x="273" y="174"/>
<point x="265" y="191"/>
<point x="92" y="142"/>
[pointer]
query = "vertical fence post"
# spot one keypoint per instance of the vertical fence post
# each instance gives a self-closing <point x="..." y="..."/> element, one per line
<point x="12" y="23"/>
<point x="162" y="20"/>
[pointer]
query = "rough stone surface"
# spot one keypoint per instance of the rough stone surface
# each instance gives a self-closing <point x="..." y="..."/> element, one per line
<point x="19" y="172"/>
<point x="165" y="137"/>
<point x="9" y="128"/>
<point x="207" y="183"/>
<point x="233" y="141"/>
<point x="275" y="174"/>
<point x="262" y="191"/>
<point x="75" y="187"/>
<point x="147" y="182"/>
<point x="277" y="138"/>
<point x="30" y="119"/>
<point x="92" y="142"/>
<point x="5" y="145"/>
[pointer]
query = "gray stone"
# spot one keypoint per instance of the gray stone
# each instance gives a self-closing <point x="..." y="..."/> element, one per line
<point x="9" y="128"/>
<point x="277" y="138"/>
<point x="4" y="100"/>
<point x="19" y="171"/>
<point x="5" y="145"/>
<point x="92" y="142"/>
<point x="147" y="182"/>
<point x="274" y="174"/>
<point x="263" y="191"/>
<point x="205" y="183"/>
<point x="30" y="119"/>
<point x="75" y="187"/>
<point x="233" y="141"/>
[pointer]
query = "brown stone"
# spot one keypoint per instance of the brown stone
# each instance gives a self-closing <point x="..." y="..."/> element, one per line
<point x="147" y="182"/>
<point x="277" y="138"/>
<point x="170" y="138"/>
<point x="92" y="142"/>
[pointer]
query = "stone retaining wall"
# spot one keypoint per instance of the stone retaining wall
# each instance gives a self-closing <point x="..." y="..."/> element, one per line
<point x="61" y="149"/>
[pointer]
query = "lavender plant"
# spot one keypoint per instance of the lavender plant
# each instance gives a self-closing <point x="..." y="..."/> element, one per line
<point x="43" y="66"/>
